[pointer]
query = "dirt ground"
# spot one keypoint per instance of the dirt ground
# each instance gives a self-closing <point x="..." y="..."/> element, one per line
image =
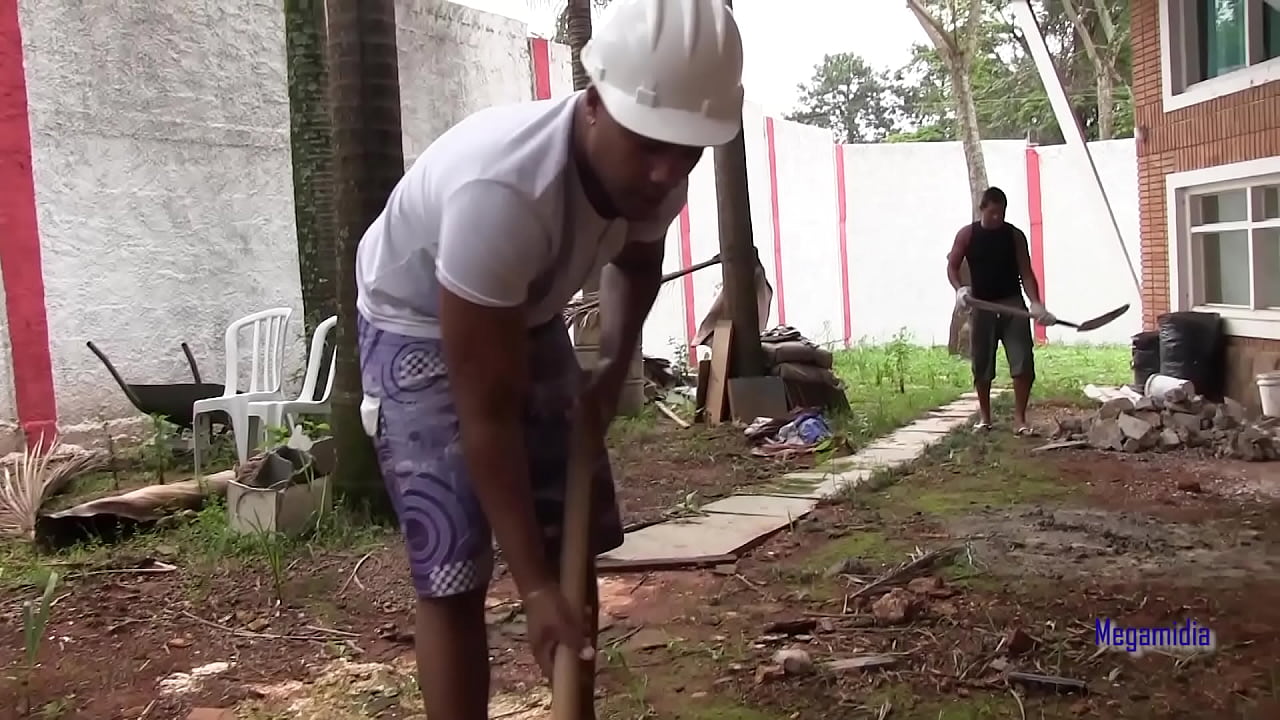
<point x="1047" y="543"/>
<point x="167" y="625"/>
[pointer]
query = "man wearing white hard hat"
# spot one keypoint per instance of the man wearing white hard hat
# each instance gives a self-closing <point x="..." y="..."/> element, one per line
<point x="469" y="375"/>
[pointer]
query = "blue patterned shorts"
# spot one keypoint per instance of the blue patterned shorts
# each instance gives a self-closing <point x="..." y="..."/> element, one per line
<point x="447" y="536"/>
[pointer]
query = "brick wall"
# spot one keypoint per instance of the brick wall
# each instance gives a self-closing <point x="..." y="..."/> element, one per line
<point x="1238" y="127"/>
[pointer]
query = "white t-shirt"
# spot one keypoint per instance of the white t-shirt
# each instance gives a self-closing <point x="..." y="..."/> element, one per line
<point x="494" y="212"/>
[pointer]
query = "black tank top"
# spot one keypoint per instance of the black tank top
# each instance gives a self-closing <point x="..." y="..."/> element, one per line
<point x="993" y="262"/>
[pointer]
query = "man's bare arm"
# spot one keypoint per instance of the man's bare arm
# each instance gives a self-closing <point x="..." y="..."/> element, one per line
<point x="955" y="258"/>
<point x="1030" y="284"/>
<point x="628" y="287"/>
<point x="487" y="353"/>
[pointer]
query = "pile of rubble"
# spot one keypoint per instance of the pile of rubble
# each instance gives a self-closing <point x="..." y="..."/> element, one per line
<point x="1174" y="421"/>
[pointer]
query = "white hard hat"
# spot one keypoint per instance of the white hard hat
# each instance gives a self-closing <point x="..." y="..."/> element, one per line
<point x="670" y="70"/>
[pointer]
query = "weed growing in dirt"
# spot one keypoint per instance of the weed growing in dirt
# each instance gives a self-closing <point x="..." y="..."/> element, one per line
<point x="35" y="618"/>
<point x="157" y="453"/>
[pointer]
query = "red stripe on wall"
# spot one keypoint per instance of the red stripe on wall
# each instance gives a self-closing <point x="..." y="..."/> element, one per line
<point x="1036" y="213"/>
<point x="777" y="225"/>
<point x="842" y="210"/>
<point x="686" y="261"/>
<point x="541" y="51"/>
<point x="20" y="246"/>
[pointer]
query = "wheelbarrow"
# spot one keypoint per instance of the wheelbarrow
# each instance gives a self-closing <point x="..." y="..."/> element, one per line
<point x="173" y="401"/>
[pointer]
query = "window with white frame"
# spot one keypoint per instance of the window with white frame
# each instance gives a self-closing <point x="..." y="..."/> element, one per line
<point x="1234" y="242"/>
<point x="1212" y="48"/>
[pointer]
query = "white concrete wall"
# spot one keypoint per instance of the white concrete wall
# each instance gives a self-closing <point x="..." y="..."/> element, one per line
<point x="1086" y="272"/>
<point x="454" y="61"/>
<point x="160" y="144"/>
<point x="809" y="232"/>
<point x="9" y="437"/>
<point x="161" y="162"/>
<point x="905" y="203"/>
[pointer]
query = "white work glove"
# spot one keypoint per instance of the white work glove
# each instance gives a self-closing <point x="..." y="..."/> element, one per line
<point x="1042" y="315"/>
<point x="962" y="296"/>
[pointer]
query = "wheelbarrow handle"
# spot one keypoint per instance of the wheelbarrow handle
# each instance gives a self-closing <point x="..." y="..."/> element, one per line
<point x="191" y="362"/>
<point x="128" y="391"/>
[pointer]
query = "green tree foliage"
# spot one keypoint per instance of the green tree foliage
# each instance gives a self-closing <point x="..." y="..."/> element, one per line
<point x="1088" y="39"/>
<point x="857" y="103"/>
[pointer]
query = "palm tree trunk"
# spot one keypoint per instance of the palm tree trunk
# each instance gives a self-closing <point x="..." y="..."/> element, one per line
<point x="586" y="334"/>
<point x="369" y="155"/>
<point x="579" y="33"/>
<point x="311" y="141"/>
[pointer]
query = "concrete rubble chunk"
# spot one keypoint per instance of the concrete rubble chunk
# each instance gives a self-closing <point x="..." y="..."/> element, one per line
<point x="1114" y="407"/>
<point x="1134" y="427"/>
<point x="1170" y="423"/>
<point x="1106" y="435"/>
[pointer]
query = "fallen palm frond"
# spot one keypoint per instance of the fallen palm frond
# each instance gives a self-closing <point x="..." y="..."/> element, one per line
<point x="582" y="310"/>
<point x="29" y="482"/>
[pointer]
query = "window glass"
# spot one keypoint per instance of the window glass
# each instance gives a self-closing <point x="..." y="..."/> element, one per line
<point x="1268" y="207"/>
<point x="1267" y="260"/>
<point x="1270" y="30"/>
<point x="1226" y="206"/>
<point x="1223" y="40"/>
<point x="1226" y="267"/>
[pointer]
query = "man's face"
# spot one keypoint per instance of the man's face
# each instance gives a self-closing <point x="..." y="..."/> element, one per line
<point x="992" y="216"/>
<point x="637" y="173"/>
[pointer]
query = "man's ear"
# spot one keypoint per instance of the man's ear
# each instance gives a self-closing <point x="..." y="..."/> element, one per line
<point x="594" y="105"/>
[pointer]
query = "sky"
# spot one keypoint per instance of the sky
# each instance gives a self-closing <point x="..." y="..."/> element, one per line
<point x="782" y="39"/>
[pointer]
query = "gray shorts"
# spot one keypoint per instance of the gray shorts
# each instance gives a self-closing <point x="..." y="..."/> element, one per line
<point x="987" y="329"/>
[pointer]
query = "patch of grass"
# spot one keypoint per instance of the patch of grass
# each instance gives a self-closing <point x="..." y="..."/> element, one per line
<point x="206" y="541"/>
<point x="892" y="383"/>
<point x="872" y="545"/>
<point x="1062" y="371"/>
<point x="981" y="472"/>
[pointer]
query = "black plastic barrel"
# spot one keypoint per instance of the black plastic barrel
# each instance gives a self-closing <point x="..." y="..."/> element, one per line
<point x="1146" y="357"/>
<point x="1192" y="346"/>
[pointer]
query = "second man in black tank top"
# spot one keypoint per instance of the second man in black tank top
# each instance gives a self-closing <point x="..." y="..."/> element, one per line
<point x="1000" y="271"/>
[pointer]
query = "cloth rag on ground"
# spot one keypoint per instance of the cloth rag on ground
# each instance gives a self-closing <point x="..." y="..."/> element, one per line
<point x="806" y="432"/>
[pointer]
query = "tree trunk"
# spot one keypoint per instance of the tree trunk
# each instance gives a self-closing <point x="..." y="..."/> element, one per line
<point x="579" y="33"/>
<point x="369" y="160"/>
<point x="311" y="141"/>
<point x="970" y="134"/>
<point x="738" y="255"/>
<point x="971" y="141"/>
<point x="1106" y="105"/>
<point x="957" y="54"/>
<point x="586" y="334"/>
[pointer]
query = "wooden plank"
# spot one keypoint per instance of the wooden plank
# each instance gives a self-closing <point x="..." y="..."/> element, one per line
<point x="607" y="565"/>
<point x="700" y="397"/>
<point x="718" y="378"/>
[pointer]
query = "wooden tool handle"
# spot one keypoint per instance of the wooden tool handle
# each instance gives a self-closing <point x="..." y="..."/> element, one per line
<point x="1003" y="309"/>
<point x="575" y="549"/>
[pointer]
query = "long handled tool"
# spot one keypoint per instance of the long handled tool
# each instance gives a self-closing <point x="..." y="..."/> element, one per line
<point x="575" y="548"/>
<point x="1086" y="326"/>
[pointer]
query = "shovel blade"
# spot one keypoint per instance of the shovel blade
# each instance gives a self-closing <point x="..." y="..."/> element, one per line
<point x="1102" y="319"/>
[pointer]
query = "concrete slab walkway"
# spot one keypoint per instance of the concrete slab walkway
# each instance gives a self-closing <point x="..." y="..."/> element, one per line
<point x="735" y="524"/>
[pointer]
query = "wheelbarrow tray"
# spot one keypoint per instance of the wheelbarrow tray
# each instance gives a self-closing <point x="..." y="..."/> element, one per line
<point x="174" y="401"/>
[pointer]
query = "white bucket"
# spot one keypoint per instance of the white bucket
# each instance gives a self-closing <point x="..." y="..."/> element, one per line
<point x="1157" y="385"/>
<point x="1269" y="393"/>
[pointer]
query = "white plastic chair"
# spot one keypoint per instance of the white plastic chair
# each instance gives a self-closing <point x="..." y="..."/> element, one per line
<point x="272" y="413"/>
<point x="269" y="332"/>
